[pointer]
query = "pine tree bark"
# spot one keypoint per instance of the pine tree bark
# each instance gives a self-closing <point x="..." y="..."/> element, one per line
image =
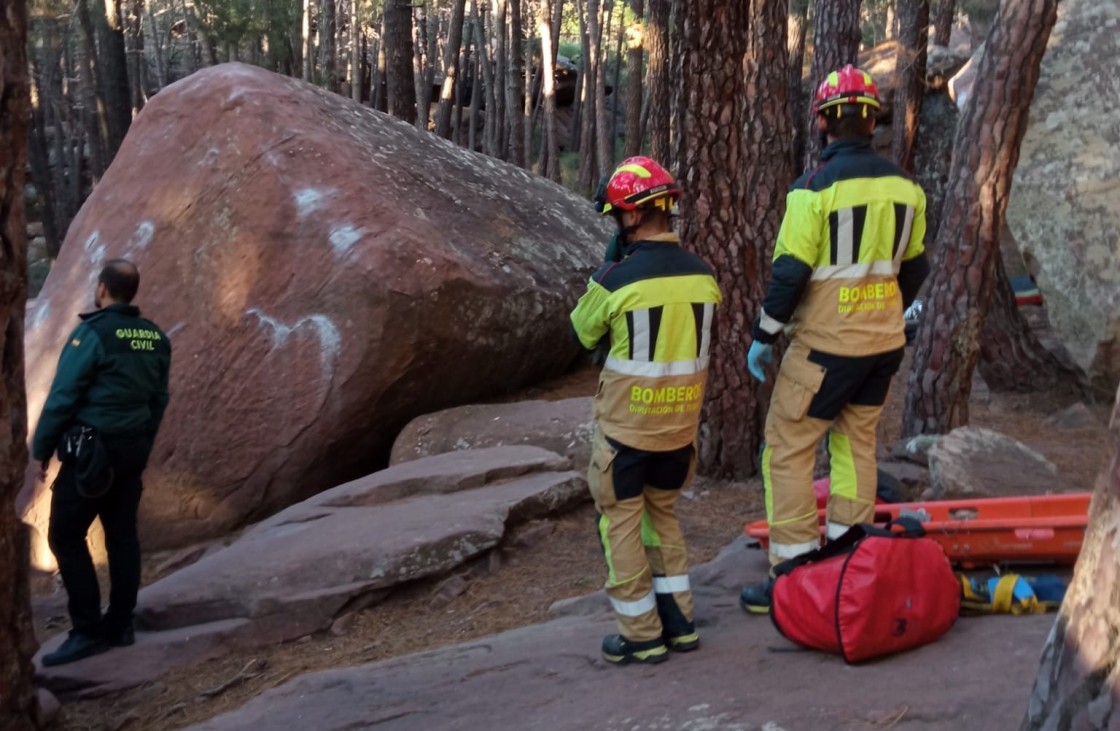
<point x="633" y="145"/>
<point x="796" y="31"/>
<point x="943" y="22"/>
<point x="486" y="32"/>
<point x="587" y="73"/>
<point x="1075" y="685"/>
<point x="947" y="344"/>
<point x="499" y="33"/>
<point x="355" y="51"/>
<point x="479" y="63"/>
<point x="836" y="38"/>
<point x="1011" y="356"/>
<point x="910" y="75"/>
<point x="137" y="68"/>
<point x="604" y="152"/>
<point x="328" y="26"/>
<point x="515" y="88"/>
<point x="733" y="52"/>
<point x="550" y="147"/>
<point x="18" y="706"/>
<point x="425" y="45"/>
<point x="449" y="90"/>
<point x="93" y="103"/>
<point x="659" y="98"/>
<point x="114" y="65"/>
<point x="308" y="42"/>
<point x="399" y="79"/>
<point x="157" y="38"/>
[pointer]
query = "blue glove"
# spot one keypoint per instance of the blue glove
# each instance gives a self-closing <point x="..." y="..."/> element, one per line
<point x="758" y="354"/>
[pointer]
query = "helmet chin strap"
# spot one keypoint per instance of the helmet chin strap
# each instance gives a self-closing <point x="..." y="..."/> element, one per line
<point x="626" y="233"/>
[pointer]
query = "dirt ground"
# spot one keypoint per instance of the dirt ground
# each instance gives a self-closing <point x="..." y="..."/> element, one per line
<point x="541" y="563"/>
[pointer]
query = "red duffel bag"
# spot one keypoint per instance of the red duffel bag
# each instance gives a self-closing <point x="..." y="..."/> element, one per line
<point x="871" y="592"/>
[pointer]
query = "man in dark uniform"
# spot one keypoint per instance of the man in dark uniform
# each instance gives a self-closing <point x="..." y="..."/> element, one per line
<point x="106" y="402"/>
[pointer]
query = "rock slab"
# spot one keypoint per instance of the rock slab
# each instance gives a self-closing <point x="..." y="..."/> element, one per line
<point x="972" y="462"/>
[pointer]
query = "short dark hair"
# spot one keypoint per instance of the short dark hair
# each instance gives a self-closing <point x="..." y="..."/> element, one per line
<point x="121" y="278"/>
<point x="847" y="120"/>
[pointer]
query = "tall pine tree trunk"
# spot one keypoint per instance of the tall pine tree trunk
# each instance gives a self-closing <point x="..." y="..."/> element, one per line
<point x="114" y="65"/>
<point x="355" y="51"/>
<point x="450" y="91"/>
<point x="479" y="60"/>
<point x="967" y="250"/>
<point x="836" y="37"/>
<point x="717" y="212"/>
<point x="587" y="105"/>
<point x="634" y="54"/>
<point x="659" y="100"/>
<point x="156" y="36"/>
<point x="308" y="42"/>
<point x="1076" y="683"/>
<point x="398" y="60"/>
<point x="943" y="22"/>
<point x="18" y="707"/>
<point x="604" y="152"/>
<point x="797" y="28"/>
<point x="910" y="74"/>
<point x="137" y="68"/>
<point x="93" y="103"/>
<point x="515" y="89"/>
<point x="550" y="148"/>
<point x="486" y="32"/>
<point x="499" y="33"/>
<point x="327" y="29"/>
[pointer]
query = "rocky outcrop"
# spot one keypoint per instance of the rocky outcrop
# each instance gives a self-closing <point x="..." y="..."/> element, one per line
<point x="972" y="462"/>
<point x="564" y="427"/>
<point x="326" y="273"/>
<point x="299" y="570"/>
<point x="1064" y="208"/>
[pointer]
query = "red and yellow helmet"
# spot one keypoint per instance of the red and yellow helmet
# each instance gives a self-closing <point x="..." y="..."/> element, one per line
<point x="638" y="181"/>
<point x="848" y="85"/>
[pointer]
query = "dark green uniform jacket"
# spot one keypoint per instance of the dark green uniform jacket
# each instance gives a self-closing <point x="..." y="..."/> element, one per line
<point x="112" y="375"/>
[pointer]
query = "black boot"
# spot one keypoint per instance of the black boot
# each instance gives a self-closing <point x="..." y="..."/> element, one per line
<point x="120" y="636"/>
<point x="77" y="646"/>
<point x="679" y="634"/>
<point x="756" y="598"/>
<point x="621" y="651"/>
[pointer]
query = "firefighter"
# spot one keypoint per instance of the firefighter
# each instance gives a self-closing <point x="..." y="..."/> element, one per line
<point x="849" y="260"/>
<point x="655" y="306"/>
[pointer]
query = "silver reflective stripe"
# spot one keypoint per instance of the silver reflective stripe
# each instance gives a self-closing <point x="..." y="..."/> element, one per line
<point x="883" y="267"/>
<point x="656" y="370"/>
<point x="845" y="235"/>
<point x="639" y="339"/>
<point x="670" y="584"/>
<point x="792" y="550"/>
<point x="706" y="336"/>
<point x="835" y="530"/>
<point x="769" y="325"/>
<point x="635" y="609"/>
<point x="904" y="239"/>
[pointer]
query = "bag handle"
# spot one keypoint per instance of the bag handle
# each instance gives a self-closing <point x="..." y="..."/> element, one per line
<point x="911" y="528"/>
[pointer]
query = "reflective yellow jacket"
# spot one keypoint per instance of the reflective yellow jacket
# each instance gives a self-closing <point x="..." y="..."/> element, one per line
<point x="657" y="306"/>
<point x="849" y="257"/>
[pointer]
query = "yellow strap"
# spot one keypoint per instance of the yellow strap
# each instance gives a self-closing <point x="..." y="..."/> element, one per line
<point x="1004" y="595"/>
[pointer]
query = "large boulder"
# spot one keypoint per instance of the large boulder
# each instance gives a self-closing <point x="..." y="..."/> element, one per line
<point x="972" y="462"/>
<point x="326" y="273"/>
<point x="1064" y="209"/>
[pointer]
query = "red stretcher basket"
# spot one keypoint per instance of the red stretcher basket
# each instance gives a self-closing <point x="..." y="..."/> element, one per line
<point x="1039" y="529"/>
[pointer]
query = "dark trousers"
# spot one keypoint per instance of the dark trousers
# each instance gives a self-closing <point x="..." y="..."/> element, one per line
<point x="71" y="517"/>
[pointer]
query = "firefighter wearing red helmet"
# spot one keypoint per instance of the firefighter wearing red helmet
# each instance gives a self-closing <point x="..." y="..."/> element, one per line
<point x="848" y="261"/>
<point x="655" y="306"/>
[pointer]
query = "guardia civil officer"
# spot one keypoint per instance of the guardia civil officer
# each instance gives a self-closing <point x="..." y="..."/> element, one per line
<point x="654" y="303"/>
<point x="101" y="416"/>
<point x="848" y="261"/>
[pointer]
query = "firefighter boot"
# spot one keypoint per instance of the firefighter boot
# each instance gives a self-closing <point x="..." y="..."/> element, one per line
<point x="755" y="599"/>
<point x="621" y="651"/>
<point x="679" y="634"/>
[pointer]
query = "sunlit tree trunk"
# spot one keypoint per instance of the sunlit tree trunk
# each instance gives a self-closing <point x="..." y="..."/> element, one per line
<point x="659" y="98"/>
<point x="604" y="154"/>
<point x="735" y="168"/>
<point x="18" y="707"/>
<point x="355" y="51"/>
<point x="836" y="38"/>
<point x="910" y="75"/>
<point x="634" y="55"/>
<point x="450" y="89"/>
<point x="550" y="148"/>
<point x="398" y="55"/>
<point x="943" y="22"/>
<point x="1077" y="680"/>
<point x="137" y="69"/>
<point x="797" y="29"/>
<point x="947" y="345"/>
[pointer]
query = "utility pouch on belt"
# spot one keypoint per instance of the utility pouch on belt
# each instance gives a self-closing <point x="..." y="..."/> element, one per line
<point x="871" y="592"/>
<point x="82" y="449"/>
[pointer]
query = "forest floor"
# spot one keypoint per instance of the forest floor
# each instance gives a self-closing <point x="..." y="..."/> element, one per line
<point x="537" y="567"/>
